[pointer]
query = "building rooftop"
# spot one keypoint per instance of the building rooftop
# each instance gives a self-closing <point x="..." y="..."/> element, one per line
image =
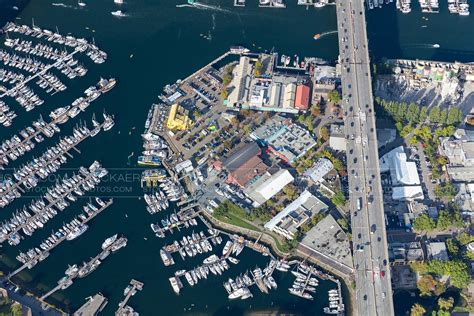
<point x="319" y="170"/>
<point x="250" y="169"/>
<point x="240" y="156"/>
<point x="266" y="186"/>
<point x="402" y="172"/>
<point x="295" y="214"/>
<point x="327" y="237"/>
<point x="287" y="140"/>
<point x="437" y="251"/>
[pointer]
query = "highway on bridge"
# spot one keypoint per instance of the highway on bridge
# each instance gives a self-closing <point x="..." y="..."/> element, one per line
<point x="372" y="271"/>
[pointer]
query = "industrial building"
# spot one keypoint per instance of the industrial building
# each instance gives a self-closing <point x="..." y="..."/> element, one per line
<point x="178" y="118"/>
<point x="264" y="187"/>
<point x="244" y="165"/>
<point x="285" y="139"/>
<point x="272" y="92"/>
<point x="301" y="210"/>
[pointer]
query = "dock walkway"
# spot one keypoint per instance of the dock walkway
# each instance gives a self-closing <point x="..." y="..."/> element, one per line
<point x="10" y="189"/>
<point x="31" y="263"/>
<point x="136" y="286"/>
<point x="71" y="278"/>
<point x="51" y="204"/>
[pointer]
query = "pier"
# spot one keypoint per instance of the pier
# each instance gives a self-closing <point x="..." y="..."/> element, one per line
<point x="49" y="126"/>
<point x="30" y="264"/>
<point x="69" y="279"/>
<point x="63" y="150"/>
<point x="123" y="308"/>
<point x="93" y="306"/>
<point x="218" y="59"/>
<point x="40" y="214"/>
<point x="42" y="72"/>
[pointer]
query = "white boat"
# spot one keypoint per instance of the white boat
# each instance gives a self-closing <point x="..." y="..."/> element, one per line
<point x="117" y="13"/>
<point x="236" y="294"/>
<point x="77" y="231"/>
<point x="109" y="241"/>
<point x="118" y="1"/>
<point x="227" y="248"/>
<point x="175" y="284"/>
<point x="81" y="4"/>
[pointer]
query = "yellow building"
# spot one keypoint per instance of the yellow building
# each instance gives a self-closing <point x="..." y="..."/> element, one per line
<point x="178" y="119"/>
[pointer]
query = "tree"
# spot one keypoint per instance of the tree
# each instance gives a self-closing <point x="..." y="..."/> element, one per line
<point x="446" y="304"/>
<point x="453" y="247"/>
<point x="427" y="285"/>
<point x="343" y="223"/>
<point x="258" y="68"/>
<point x="227" y="77"/>
<point x="290" y="191"/>
<point x="446" y="190"/>
<point x="417" y="310"/>
<point x="464" y="238"/>
<point x="444" y="220"/>
<point x="324" y="133"/>
<point x="339" y="199"/>
<point x="443" y="115"/>
<point x="457" y="270"/>
<point x="423" y="223"/>
<point x="301" y="119"/>
<point x="315" y="110"/>
<point x="334" y="97"/>
<point x="423" y="114"/>
<point x="434" y="115"/>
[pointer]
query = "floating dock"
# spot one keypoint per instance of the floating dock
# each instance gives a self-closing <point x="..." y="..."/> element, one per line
<point x="31" y="263"/>
<point x="69" y="279"/>
<point x="124" y="309"/>
<point x="93" y="306"/>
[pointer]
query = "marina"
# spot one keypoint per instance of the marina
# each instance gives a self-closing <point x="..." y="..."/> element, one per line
<point x="76" y="271"/>
<point x="69" y="231"/>
<point x="130" y="290"/>
<point x="52" y="202"/>
<point x="38" y="53"/>
<point x="28" y="174"/>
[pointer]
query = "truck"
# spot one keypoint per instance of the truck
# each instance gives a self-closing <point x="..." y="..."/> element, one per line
<point x="359" y="203"/>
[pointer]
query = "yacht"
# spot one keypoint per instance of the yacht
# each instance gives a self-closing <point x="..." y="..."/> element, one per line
<point x="109" y="241"/>
<point x="77" y="231"/>
<point x="118" y="13"/>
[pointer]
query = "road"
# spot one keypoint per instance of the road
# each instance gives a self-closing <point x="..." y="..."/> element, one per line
<point x="372" y="272"/>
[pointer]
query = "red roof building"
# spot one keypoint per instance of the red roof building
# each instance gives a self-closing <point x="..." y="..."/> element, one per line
<point x="302" y="97"/>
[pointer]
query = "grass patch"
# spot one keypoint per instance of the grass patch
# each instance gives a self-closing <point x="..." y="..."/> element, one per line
<point x="236" y="221"/>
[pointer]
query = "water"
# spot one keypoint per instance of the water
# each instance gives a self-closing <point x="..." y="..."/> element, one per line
<point x="168" y="43"/>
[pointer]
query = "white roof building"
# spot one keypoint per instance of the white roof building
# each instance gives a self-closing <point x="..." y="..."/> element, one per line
<point x="294" y="215"/>
<point x="408" y="193"/>
<point x="403" y="172"/>
<point x="320" y="169"/>
<point x="265" y="187"/>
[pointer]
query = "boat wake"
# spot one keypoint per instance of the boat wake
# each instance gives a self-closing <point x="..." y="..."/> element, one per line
<point x="427" y="46"/>
<point x="202" y="6"/>
<point x="60" y="4"/>
<point x="327" y="33"/>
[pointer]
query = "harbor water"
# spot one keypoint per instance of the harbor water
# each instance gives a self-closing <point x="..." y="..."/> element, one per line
<point x="155" y="44"/>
